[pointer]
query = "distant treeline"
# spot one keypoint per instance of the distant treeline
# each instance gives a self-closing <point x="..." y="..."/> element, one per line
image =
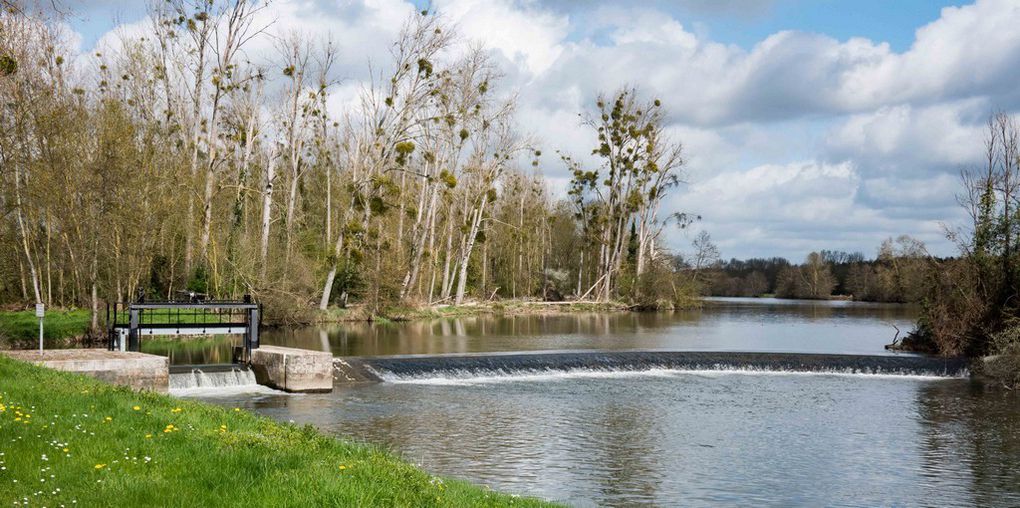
<point x="895" y="275"/>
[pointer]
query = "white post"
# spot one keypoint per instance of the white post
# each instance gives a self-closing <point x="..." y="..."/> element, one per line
<point x="40" y="312"/>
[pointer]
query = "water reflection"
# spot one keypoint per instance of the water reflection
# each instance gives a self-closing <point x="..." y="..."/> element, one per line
<point x="972" y="432"/>
<point x="733" y="324"/>
<point x="693" y="439"/>
<point x="193" y="350"/>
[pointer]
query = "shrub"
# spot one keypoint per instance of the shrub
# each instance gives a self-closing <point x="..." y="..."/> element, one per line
<point x="1004" y="365"/>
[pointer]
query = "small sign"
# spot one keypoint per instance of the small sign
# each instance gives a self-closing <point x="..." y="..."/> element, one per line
<point x="40" y="310"/>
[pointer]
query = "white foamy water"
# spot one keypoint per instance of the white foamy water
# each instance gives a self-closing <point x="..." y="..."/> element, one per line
<point x="482" y="377"/>
<point x="217" y="383"/>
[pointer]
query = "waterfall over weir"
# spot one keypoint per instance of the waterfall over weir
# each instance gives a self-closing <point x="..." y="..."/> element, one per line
<point x="440" y="369"/>
<point x="212" y="377"/>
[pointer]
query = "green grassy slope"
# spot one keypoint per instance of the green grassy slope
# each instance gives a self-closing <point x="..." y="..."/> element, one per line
<point x="70" y="440"/>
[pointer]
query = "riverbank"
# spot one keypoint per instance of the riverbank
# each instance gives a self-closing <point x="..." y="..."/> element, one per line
<point x="20" y="328"/>
<point x="67" y="327"/>
<point x="501" y="307"/>
<point x="71" y="440"/>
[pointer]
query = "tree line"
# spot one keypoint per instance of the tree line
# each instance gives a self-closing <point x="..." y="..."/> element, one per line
<point x="176" y="163"/>
<point x="896" y="274"/>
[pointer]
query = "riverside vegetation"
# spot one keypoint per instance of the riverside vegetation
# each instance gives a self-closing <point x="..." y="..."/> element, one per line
<point x="73" y="441"/>
<point x="169" y="162"/>
<point x="972" y="302"/>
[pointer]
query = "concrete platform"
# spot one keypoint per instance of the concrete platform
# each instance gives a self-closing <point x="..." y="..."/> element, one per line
<point x="136" y="370"/>
<point x="293" y="370"/>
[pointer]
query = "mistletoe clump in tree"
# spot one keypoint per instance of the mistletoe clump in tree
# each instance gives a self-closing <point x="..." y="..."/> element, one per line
<point x="618" y="201"/>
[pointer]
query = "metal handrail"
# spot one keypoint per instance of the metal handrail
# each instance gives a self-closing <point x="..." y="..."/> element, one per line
<point x="133" y="317"/>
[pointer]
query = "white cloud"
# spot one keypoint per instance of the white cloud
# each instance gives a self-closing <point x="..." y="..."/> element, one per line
<point x="792" y="209"/>
<point x="800" y="142"/>
<point x="969" y="50"/>
<point x="905" y="139"/>
<point x="524" y="32"/>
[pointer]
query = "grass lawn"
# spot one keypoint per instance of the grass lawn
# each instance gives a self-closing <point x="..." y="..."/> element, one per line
<point x="69" y="440"/>
<point x="59" y="325"/>
<point x="22" y="327"/>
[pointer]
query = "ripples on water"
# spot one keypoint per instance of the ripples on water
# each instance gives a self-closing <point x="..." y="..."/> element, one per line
<point x="679" y="438"/>
<point x="692" y="438"/>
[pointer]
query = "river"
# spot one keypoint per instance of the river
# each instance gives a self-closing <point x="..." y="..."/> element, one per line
<point x="667" y="437"/>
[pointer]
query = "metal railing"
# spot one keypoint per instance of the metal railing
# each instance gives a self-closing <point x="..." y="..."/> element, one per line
<point x="127" y="322"/>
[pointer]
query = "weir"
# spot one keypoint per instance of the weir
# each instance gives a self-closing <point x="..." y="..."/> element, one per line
<point x="394" y="368"/>
<point x="189" y="377"/>
<point x="288" y="369"/>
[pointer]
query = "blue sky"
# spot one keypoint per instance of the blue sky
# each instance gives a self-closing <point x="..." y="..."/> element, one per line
<point x="887" y="21"/>
<point x="807" y="124"/>
<point x="744" y="23"/>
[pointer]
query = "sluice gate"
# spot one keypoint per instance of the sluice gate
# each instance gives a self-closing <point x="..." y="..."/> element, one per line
<point x="127" y="323"/>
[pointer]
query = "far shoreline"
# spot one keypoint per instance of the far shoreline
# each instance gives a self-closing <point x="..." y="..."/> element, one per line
<point x="69" y="327"/>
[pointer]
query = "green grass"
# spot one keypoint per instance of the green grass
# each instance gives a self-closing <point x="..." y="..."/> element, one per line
<point x="69" y="440"/>
<point x="21" y="328"/>
<point x="59" y="325"/>
<point x="183" y="316"/>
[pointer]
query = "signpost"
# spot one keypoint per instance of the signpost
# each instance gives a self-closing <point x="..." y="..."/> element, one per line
<point x="40" y="312"/>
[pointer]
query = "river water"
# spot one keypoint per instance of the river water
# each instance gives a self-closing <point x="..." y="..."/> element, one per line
<point x="590" y="438"/>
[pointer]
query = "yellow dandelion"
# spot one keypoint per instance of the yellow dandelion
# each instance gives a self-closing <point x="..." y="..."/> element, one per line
<point x="100" y="466"/>
<point x="237" y="409"/>
<point x="137" y="408"/>
<point x="148" y="436"/>
<point x="109" y="418"/>
<point x="342" y="467"/>
<point x="66" y="450"/>
<point x="176" y="410"/>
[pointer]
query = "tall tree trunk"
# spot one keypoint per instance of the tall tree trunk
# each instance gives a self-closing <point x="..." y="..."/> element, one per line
<point x="291" y="204"/>
<point x="327" y="288"/>
<point x="580" y="270"/>
<point x="94" y="322"/>
<point x="49" y="272"/>
<point x="24" y="284"/>
<point x="329" y="207"/>
<point x="196" y="137"/>
<point x="468" y="247"/>
<point x="19" y="212"/>
<point x="446" y="263"/>
<point x="267" y="211"/>
<point x="485" y="265"/>
<point x="422" y="232"/>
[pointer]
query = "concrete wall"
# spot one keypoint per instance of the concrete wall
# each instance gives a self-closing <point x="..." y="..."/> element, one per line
<point x="293" y="370"/>
<point x="139" y="371"/>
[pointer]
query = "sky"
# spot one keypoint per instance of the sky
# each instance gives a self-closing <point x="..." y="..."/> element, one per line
<point x="806" y="124"/>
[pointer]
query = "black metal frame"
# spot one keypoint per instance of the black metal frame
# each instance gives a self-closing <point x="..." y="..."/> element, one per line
<point x="196" y="315"/>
